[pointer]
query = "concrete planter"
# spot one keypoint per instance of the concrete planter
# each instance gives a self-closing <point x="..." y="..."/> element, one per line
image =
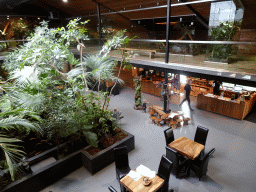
<point x="44" y="177"/>
<point x="51" y="173"/>
<point x="94" y="163"/>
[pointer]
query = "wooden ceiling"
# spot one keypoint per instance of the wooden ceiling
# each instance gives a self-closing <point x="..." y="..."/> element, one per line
<point x="86" y="7"/>
<point x="89" y="7"/>
<point x="249" y="20"/>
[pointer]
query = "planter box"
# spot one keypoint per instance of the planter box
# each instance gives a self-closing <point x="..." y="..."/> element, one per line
<point x="94" y="163"/>
<point x="46" y="176"/>
<point x="49" y="174"/>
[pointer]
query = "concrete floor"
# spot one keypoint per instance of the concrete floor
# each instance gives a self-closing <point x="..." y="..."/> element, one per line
<point x="232" y="167"/>
<point x="248" y="65"/>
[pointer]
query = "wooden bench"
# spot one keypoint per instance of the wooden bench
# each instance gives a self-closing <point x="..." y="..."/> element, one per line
<point x="151" y="51"/>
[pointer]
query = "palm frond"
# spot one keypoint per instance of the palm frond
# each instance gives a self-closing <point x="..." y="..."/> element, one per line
<point x="118" y="80"/>
<point x="12" y="153"/>
<point x="31" y="102"/>
<point x="16" y="122"/>
<point x="27" y="75"/>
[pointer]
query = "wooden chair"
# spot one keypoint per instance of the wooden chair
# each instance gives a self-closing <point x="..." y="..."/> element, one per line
<point x="151" y="113"/>
<point x="153" y="119"/>
<point x="172" y="124"/>
<point x="165" y="118"/>
<point x="158" y="120"/>
<point x="175" y="117"/>
<point x="186" y="120"/>
<point x="178" y="122"/>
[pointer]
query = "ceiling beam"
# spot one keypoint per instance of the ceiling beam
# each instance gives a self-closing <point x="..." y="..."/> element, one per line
<point x="191" y="15"/>
<point x="20" y="2"/>
<point x="109" y="9"/>
<point x="12" y="3"/>
<point x="157" y="7"/>
<point x="239" y="4"/>
<point x="198" y="15"/>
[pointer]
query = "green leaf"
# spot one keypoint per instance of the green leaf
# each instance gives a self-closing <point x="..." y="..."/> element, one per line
<point x="22" y="65"/>
<point x="91" y="138"/>
<point x="102" y="120"/>
<point x="88" y="127"/>
<point x="44" y="75"/>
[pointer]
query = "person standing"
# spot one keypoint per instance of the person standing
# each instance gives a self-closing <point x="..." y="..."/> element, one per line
<point x="176" y="83"/>
<point x="187" y="90"/>
<point x="216" y="89"/>
<point x="144" y="105"/>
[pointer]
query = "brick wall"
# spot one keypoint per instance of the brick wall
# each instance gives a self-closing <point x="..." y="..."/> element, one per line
<point x="247" y="35"/>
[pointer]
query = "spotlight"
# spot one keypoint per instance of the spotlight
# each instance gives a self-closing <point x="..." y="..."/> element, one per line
<point x="65" y="1"/>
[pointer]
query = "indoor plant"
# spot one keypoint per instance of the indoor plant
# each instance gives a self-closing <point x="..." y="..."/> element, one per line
<point x="63" y="99"/>
<point x="224" y="32"/>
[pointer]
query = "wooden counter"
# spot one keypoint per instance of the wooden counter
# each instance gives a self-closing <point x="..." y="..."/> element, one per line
<point x="148" y="86"/>
<point x="237" y="110"/>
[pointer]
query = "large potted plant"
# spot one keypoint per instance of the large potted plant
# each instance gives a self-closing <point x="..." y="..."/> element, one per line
<point x="62" y="98"/>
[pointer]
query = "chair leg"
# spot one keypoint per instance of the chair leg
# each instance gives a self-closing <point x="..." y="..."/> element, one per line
<point x="123" y="189"/>
<point x="188" y="171"/>
<point x="200" y="177"/>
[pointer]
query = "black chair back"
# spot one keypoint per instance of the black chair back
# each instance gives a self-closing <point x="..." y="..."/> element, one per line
<point x="112" y="189"/>
<point x="169" y="136"/>
<point x="204" y="165"/>
<point x="201" y="135"/>
<point x="121" y="157"/>
<point x="164" y="171"/>
<point x="172" y="155"/>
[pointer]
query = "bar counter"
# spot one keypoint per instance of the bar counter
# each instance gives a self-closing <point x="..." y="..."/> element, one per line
<point x="236" y="109"/>
<point x="148" y="86"/>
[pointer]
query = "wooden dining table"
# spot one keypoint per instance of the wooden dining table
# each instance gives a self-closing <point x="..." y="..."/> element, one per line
<point x="159" y="110"/>
<point x="137" y="186"/>
<point x="187" y="147"/>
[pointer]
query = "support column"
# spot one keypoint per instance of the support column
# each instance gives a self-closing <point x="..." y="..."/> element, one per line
<point x="168" y="15"/>
<point x="166" y="107"/>
<point x="99" y="22"/>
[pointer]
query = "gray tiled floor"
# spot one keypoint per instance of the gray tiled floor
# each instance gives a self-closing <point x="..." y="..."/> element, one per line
<point x="232" y="167"/>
